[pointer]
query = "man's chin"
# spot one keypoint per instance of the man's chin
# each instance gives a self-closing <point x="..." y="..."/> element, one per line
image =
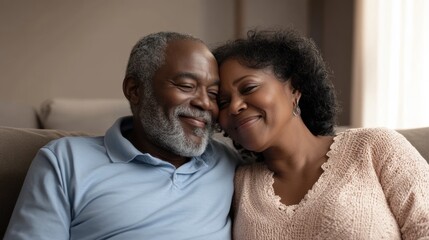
<point x="198" y="139"/>
<point x="194" y="145"/>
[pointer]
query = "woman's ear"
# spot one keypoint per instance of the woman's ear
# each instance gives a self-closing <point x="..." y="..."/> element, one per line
<point x="131" y="89"/>
<point x="297" y="95"/>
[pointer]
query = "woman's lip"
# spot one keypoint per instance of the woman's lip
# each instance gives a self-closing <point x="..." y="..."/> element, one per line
<point x="246" y="121"/>
<point x="196" y="122"/>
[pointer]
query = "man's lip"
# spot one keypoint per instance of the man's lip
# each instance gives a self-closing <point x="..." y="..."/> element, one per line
<point x="195" y="121"/>
<point x="243" y="122"/>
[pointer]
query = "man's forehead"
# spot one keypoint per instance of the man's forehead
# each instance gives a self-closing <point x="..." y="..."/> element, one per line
<point x="188" y="57"/>
<point x="189" y="52"/>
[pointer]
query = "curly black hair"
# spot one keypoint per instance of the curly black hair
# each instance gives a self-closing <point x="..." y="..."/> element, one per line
<point x="293" y="58"/>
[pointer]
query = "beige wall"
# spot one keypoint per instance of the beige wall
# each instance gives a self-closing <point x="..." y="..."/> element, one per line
<point x="331" y="26"/>
<point x="79" y="48"/>
<point x="276" y="14"/>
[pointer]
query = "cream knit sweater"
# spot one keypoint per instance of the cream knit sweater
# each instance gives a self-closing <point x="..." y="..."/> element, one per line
<point x="375" y="185"/>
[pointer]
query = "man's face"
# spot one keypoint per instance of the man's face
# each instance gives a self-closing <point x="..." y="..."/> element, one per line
<point x="178" y="113"/>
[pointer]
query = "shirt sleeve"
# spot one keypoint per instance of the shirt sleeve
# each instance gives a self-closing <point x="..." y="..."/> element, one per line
<point x="404" y="176"/>
<point x="42" y="210"/>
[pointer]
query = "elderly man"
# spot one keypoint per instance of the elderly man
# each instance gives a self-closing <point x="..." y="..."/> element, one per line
<point x="155" y="175"/>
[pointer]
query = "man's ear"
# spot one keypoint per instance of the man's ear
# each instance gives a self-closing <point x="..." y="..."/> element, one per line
<point x="131" y="89"/>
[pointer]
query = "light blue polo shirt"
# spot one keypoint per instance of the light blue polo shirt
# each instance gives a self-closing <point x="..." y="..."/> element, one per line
<point x="104" y="188"/>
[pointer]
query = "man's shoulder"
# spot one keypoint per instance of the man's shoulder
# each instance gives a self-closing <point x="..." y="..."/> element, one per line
<point x="75" y="142"/>
<point x="222" y="150"/>
<point x="75" y="153"/>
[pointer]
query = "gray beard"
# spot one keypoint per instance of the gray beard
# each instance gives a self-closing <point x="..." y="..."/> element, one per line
<point x="168" y="133"/>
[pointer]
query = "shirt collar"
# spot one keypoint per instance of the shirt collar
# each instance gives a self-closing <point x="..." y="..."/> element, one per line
<point x="118" y="147"/>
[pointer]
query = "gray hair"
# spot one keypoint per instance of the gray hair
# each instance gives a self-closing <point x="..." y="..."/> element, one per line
<point x="148" y="55"/>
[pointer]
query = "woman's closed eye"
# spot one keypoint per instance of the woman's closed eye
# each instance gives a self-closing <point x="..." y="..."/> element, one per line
<point x="222" y="103"/>
<point x="248" y="89"/>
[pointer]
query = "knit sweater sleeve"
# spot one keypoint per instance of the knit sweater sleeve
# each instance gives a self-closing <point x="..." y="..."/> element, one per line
<point x="404" y="176"/>
<point x="239" y="181"/>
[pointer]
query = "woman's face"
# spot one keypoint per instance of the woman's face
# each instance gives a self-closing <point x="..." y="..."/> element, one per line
<point x="254" y="106"/>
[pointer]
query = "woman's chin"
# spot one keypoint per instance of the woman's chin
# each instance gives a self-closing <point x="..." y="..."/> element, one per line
<point x="252" y="146"/>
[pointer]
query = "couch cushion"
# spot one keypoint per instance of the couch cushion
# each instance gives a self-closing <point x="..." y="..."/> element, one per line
<point x="88" y="115"/>
<point x="18" y="146"/>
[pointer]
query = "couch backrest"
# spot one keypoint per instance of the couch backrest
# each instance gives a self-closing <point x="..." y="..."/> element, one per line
<point x="418" y="137"/>
<point x="18" y="115"/>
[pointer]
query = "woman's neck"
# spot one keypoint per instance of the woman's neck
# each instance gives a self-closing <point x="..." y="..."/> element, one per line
<point x="297" y="151"/>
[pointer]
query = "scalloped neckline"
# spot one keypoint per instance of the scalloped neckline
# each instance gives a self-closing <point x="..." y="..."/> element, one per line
<point x="268" y="179"/>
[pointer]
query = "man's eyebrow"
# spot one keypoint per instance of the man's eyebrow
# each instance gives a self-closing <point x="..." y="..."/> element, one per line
<point x="194" y="77"/>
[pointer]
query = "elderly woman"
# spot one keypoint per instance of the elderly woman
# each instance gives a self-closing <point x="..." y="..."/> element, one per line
<point x="277" y="102"/>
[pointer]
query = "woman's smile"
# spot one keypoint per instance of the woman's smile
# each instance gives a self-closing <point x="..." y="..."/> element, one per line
<point x="247" y="122"/>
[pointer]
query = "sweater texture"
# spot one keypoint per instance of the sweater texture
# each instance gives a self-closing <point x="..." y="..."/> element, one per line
<point x="374" y="185"/>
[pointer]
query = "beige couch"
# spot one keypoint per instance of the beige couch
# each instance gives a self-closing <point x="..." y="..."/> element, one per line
<point x="21" y="138"/>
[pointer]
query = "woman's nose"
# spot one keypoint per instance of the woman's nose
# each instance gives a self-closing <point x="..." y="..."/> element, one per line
<point x="237" y="105"/>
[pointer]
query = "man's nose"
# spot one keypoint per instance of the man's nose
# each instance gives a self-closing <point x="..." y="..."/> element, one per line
<point x="202" y="101"/>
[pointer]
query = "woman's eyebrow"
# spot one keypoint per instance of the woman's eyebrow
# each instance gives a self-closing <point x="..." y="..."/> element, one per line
<point x="236" y="81"/>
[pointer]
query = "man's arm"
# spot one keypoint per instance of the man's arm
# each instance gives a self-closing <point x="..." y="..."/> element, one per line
<point x="42" y="210"/>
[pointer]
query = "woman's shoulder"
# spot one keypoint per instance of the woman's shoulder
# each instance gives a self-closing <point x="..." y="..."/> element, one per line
<point x="371" y="135"/>
<point x="250" y="178"/>
<point x="366" y="140"/>
<point x="250" y="169"/>
<point x="375" y="131"/>
<point x="381" y="142"/>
